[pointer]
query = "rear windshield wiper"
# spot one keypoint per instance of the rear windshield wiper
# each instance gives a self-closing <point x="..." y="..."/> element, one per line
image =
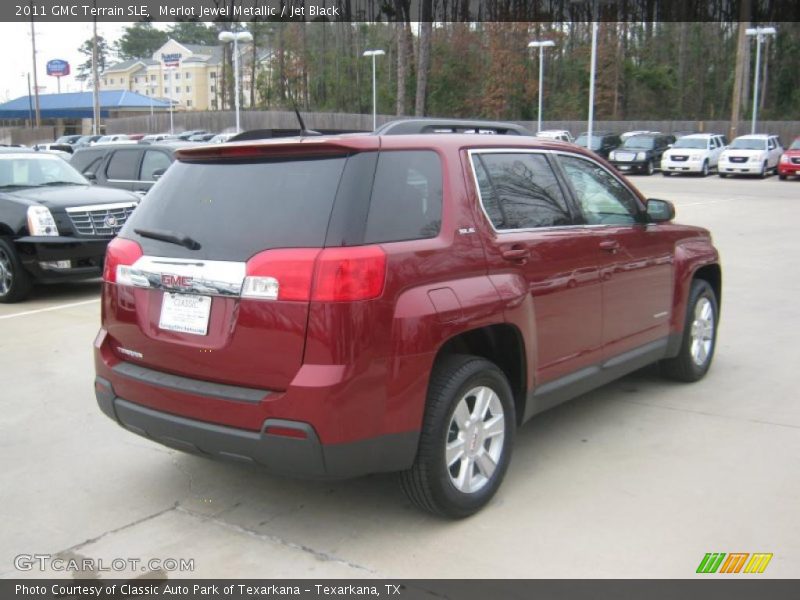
<point x="169" y="237"/>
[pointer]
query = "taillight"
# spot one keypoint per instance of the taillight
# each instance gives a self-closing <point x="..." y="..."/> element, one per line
<point x="120" y="253"/>
<point x="347" y="274"/>
<point x="329" y="275"/>
<point x="283" y="274"/>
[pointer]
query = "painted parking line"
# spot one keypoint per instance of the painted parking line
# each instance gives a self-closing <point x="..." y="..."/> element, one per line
<point x="48" y="309"/>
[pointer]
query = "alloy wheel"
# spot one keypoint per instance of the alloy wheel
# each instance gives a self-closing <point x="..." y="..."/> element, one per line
<point x="702" y="331"/>
<point x="6" y="273"/>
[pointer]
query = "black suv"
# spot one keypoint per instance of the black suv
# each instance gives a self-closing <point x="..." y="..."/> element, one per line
<point x="132" y="167"/>
<point x="602" y="142"/>
<point x="641" y="153"/>
<point x="54" y="226"/>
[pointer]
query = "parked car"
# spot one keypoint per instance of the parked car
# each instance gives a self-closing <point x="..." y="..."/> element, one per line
<point x="68" y="139"/>
<point x="603" y="142"/>
<point x="135" y="168"/>
<point x="789" y="163"/>
<point x="561" y="135"/>
<point x="66" y="148"/>
<point x="185" y="135"/>
<point x="641" y="153"/>
<point x="221" y="138"/>
<point x="628" y="134"/>
<point x="113" y="138"/>
<point x="157" y="137"/>
<point x="751" y="155"/>
<point x="201" y="137"/>
<point x="406" y="321"/>
<point x="694" y="153"/>
<point x="54" y="226"/>
<point x="86" y="140"/>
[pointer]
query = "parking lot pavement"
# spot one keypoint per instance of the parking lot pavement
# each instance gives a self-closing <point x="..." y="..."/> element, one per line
<point x="638" y="479"/>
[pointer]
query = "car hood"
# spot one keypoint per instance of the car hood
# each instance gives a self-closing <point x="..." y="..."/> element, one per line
<point x="71" y="195"/>
<point x="791" y="152"/>
<point x="685" y="151"/>
<point x="736" y="152"/>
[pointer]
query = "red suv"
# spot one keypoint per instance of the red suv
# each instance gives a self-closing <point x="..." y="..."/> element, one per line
<point x="334" y="306"/>
<point x="789" y="163"/>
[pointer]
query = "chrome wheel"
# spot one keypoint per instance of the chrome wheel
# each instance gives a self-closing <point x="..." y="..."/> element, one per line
<point x="475" y="439"/>
<point x="702" y="331"/>
<point x="6" y="273"/>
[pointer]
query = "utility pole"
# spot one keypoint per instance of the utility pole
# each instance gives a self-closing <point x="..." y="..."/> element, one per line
<point x="738" y="77"/>
<point x="95" y="82"/>
<point x="35" y="79"/>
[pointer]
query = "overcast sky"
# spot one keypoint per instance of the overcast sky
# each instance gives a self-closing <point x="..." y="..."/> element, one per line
<point x="53" y="40"/>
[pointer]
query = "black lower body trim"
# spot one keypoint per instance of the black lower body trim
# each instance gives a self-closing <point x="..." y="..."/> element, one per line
<point x="302" y="457"/>
<point x="565" y="388"/>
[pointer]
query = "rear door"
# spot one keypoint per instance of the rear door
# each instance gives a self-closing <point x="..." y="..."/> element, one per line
<point x="636" y="260"/>
<point x="535" y="234"/>
<point x="122" y="168"/>
<point x="185" y="312"/>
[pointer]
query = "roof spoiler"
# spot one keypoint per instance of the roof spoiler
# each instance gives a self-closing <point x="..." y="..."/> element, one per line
<point x="421" y="126"/>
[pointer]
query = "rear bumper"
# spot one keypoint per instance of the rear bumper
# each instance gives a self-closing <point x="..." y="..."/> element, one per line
<point x="286" y="447"/>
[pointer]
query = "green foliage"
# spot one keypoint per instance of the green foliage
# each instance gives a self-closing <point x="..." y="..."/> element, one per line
<point x="140" y="40"/>
<point x="103" y="58"/>
<point x="193" y="32"/>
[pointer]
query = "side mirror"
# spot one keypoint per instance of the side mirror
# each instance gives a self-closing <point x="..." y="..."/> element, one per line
<point x="158" y="173"/>
<point x="660" y="211"/>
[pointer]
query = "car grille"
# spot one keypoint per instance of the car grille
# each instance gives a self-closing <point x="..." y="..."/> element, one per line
<point x="624" y="156"/>
<point x="101" y="220"/>
<point x="679" y="158"/>
<point x="796" y="160"/>
<point x="738" y="159"/>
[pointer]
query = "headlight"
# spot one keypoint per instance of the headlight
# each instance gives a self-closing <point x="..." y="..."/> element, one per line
<point x="40" y="221"/>
<point x="612" y="155"/>
<point x="641" y="155"/>
<point x="785" y="159"/>
<point x="756" y="158"/>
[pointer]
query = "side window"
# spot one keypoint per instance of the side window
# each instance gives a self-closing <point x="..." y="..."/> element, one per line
<point x="602" y="198"/>
<point x="520" y="191"/>
<point x="153" y="161"/>
<point x="771" y="144"/>
<point x="406" y="202"/>
<point x="86" y="162"/>
<point x="124" y="164"/>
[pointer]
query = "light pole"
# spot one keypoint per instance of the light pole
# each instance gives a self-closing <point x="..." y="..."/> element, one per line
<point x="373" y="54"/>
<point x="541" y="45"/>
<point x="236" y="36"/>
<point x="760" y="33"/>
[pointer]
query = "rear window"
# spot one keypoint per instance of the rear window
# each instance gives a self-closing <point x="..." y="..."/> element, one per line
<point x="406" y="201"/>
<point x="237" y="209"/>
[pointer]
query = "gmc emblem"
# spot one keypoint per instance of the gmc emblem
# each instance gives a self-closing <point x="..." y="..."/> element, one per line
<point x="175" y="281"/>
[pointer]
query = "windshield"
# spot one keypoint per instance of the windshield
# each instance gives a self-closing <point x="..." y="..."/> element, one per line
<point x="795" y="145"/>
<point x="34" y="171"/>
<point x="748" y="144"/>
<point x="639" y="142"/>
<point x="697" y="143"/>
<point x="583" y="141"/>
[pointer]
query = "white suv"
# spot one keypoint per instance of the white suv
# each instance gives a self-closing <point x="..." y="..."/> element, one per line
<point x="696" y="153"/>
<point x="562" y="135"/>
<point x="751" y="155"/>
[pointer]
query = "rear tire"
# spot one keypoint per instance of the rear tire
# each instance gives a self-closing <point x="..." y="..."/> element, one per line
<point x="699" y="336"/>
<point x="466" y="441"/>
<point x="15" y="282"/>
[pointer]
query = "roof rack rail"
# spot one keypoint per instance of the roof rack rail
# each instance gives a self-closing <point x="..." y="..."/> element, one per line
<point x="430" y="125"/>
<point x="264" y="134"/>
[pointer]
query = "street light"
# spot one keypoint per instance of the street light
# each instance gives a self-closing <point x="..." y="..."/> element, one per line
<point x="236" y="36"/>
<point x="373" y="54"/>
<point x="541" y="45"/>
<point x="760" y="33"/>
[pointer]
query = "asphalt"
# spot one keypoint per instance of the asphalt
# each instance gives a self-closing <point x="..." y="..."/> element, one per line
<point x="638" y="479"/>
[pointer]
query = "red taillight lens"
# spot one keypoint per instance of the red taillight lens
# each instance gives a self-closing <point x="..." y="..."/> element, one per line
<point x="120" y="252"/>
<point x="283" y="274"/>
<point x="330" y="275"/>
<point x="347" y="274"/>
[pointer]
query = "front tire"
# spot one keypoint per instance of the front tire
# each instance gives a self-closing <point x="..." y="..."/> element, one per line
<point x="704" y="172"/>
<point x="15" y="282"/>
<point x="699" y="336"/>
<point x="764" y="171"/>
<point x="650" y="168"/>
<point x="782" y="177"/>
<point x="466" y="441"/>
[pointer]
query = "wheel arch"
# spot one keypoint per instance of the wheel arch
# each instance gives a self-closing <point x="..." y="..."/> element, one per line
<point x="503" y="345"/>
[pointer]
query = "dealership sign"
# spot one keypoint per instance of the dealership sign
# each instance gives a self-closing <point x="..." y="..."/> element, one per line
<point x="57" y="68"/>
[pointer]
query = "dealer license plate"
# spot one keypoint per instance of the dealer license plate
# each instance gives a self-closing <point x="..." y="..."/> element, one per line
<point x="185" y="313"/>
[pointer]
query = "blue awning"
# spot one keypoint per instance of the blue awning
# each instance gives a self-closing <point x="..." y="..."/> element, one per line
<point x="79" y="105"/>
